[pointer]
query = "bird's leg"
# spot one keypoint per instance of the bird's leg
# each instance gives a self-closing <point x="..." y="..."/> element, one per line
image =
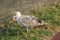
<point x="27" y="32"/>
<point x="27" y="29"/>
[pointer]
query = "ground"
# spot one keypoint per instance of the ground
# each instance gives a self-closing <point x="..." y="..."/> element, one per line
<point x="46" y="10"/>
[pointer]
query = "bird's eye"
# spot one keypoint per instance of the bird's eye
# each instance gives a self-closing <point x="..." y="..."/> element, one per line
<point x="14" y="14"/>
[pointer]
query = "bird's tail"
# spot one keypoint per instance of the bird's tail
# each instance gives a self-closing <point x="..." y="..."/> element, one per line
<point x="41" y="23"/>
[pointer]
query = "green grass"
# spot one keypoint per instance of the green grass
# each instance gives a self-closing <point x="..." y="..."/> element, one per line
<point x="13" y="31"/>
<point x="49" y="14"/>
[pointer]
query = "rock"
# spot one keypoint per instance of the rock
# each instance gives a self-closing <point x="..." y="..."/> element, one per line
<point x="56" y="36"/>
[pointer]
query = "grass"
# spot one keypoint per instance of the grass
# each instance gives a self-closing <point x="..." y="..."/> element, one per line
<point x="13" y="31"/>
<point x="49" y="14"/>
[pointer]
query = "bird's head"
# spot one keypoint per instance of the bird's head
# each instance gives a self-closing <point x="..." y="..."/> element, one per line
<point x="16" y="15"/>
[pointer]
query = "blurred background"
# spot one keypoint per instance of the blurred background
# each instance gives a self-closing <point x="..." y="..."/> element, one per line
<point x="47" y="10"/>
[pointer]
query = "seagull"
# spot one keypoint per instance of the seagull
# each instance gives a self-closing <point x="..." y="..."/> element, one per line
<point x="27" y="21"/>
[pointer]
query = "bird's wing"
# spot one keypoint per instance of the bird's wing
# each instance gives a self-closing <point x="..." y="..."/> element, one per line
<point x="28" y="21"/>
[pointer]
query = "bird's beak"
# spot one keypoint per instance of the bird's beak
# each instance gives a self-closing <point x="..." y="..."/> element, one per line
<point x="14" y="19"/>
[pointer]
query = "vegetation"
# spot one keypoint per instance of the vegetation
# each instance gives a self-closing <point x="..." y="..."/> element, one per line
<point x="12" y="31"/>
